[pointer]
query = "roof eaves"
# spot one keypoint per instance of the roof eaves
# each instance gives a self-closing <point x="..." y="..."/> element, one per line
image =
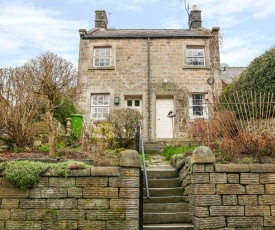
<point x="145" y="37"/>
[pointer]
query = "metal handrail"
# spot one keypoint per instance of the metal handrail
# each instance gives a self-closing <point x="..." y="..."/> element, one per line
<point x="144" y="163"/>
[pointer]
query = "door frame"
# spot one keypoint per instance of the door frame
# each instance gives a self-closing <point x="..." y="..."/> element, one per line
<point x="171" y="97"/>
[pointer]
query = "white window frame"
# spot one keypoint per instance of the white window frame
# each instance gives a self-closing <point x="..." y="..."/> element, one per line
<point x="199" y="103"/>
<point x="133" y="102"/>
<point x="100" y="106"/>
<point x="193" y="55"/>
<point x="102" y="57"/>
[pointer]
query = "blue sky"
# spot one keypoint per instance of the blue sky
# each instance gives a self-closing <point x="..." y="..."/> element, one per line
<point x="30" y="27"/>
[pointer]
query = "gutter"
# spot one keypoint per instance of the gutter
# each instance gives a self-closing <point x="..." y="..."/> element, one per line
<point x="142" y="37"/>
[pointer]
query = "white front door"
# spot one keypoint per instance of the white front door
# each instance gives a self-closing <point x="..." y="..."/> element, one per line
<point x="164" y="126"/>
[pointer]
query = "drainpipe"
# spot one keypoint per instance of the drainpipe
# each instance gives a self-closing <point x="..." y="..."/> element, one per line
<point x="149" y="92"/>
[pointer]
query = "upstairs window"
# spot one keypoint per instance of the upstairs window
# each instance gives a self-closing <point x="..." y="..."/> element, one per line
<point x="195" y="56"/>
<point x="102" y="57"/>
<point x="100" y="105"/>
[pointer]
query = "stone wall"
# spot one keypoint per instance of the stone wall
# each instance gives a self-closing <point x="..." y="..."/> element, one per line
<point x="98" y="198"/>
<point x="229" y="196"/>
<point x="128" y="77"/>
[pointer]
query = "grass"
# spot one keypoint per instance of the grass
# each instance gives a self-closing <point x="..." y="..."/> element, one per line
<point x="169" y="151"/>
<point x="147" y="157"/>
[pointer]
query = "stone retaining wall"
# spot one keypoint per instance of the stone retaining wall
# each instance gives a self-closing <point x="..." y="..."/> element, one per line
<point x="228" y="196"/>
<point x="98" y="198"/>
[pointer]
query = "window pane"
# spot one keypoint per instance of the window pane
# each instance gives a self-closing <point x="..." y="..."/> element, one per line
<point x="189" y="53"/>
<point x="197" y="96"/>
<point x="197" y="100"/>
<point x="129" y="103"/>
<point x="197" y="111"/>
<point x="195" y="56"/>
<point x="106" y="100"/>
<point x="100" y="106"/>
<point x="97" y="52"/>
<point x="137" y="103"/>
<point x="107" y="52"/>
<point x="102" y="57"/>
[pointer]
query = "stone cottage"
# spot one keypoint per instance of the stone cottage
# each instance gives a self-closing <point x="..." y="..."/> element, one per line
<point x="152" y="70"/>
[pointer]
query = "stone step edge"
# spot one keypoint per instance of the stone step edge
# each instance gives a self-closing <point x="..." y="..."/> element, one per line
<point x="170" y="224"/>
<point x="161" y="213"/>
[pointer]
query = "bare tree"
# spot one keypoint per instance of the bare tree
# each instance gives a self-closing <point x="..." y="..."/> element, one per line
<point x="19" y="106"/>
<point x="53" y="78"/>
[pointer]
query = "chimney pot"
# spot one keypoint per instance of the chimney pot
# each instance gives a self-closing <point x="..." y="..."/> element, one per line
<point x="195" y="7"/>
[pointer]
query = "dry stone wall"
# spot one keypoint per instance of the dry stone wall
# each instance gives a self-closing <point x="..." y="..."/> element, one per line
<point x="98" y="198"/>
<point x="228" y="196"/>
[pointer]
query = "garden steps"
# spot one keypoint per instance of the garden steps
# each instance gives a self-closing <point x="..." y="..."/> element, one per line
<point x="165" y="208"/>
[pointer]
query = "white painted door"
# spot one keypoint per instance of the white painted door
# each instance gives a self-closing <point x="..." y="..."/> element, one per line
<point x="164" y="128"/>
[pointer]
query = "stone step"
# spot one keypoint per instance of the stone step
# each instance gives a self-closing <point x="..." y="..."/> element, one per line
<point x="157" y="192"/>
<point x="162" y="165"/>
<point x="163" y="183"/>
<point x="163" y="199"/>
<point x="154" y="146"/>
<point x="166" y="207"/>
<point x="177" y="226"/>
<point x="162" y="173"/>
<point x="162" y="218"/>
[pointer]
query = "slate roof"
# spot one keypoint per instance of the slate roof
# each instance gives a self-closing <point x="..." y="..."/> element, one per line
<point x="230" y="73"/>
<point x="145" y="33"/>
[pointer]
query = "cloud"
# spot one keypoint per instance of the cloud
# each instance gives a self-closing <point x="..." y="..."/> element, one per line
<point x="229" y="13"/>
<point x="122" y="5"/>
<point x="29" y="30"/>
<point x="172" y="23"/>
<point x="241" y="49"/>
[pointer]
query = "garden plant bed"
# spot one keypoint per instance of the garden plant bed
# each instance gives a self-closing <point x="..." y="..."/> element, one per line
<point x="95" y="159"/>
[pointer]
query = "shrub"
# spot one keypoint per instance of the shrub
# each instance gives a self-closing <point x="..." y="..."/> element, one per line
<point x="222" y="124"/>
<point x="125" y="122"/>
<point x="64" y="110"/>
<point x="26" y="174"/>
<point x="102" y="137"/>
<point x="259" y="78"/>
<point x="44" y="148"/>
<point x="256" y="143"/>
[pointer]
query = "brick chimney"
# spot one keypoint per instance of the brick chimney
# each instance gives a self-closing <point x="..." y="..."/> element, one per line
<point x="195" y="21"/>
<point x="101" y="20"/>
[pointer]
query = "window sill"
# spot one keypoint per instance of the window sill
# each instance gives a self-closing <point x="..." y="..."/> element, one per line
<point x="198" y="118"/>
<point x="196" y="67"/>
<point x="101" y="68"/>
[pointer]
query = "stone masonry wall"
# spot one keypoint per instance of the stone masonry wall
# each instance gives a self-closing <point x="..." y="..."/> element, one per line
<point x="98" y="198"/>
<point x="128" y="75"/>
<point x="229" y="196"/>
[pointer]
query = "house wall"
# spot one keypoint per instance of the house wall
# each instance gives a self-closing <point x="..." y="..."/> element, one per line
<point x="229" y="196"/>
<point x="100" y="198"/>
<point x="169" y="76"/>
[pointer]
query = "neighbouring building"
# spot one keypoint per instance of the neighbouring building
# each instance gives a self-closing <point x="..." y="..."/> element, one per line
<point x="228" y="74"/>
<point x="152" y="70"/>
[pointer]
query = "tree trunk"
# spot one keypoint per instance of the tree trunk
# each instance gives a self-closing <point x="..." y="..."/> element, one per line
<point x="50" y="121"/>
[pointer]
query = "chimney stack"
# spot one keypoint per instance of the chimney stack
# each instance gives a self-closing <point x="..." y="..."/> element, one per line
<point x="101" y="20"/>
<point x="195" y="21"/>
